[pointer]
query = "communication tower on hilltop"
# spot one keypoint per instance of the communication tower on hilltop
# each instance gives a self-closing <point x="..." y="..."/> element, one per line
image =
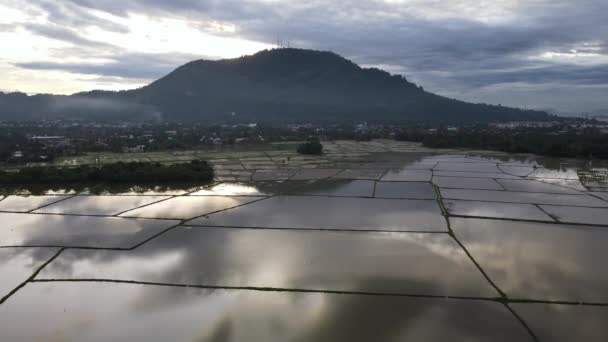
<point x="280" y="44"/>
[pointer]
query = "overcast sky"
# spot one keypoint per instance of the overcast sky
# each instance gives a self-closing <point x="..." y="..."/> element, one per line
<point x="548" y="54"/>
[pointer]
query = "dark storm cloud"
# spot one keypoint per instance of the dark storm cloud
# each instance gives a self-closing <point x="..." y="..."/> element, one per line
<point x="72" y="15"/>
<point x="225" y="9"/>
<point x="63" y="34"/>
<point x="455" y="45"/>
<point x="375" y="32"/>
<point x="126" y="65"/>
<point x="577" y="75"/>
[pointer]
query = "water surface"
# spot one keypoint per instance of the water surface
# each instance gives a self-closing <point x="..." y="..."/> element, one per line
<point x="378" y="241"/>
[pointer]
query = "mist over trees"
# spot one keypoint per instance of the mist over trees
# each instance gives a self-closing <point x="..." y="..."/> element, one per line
<point x="280" y="85"/>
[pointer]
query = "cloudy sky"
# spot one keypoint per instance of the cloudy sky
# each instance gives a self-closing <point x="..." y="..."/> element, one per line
<point x="548" y="54"/>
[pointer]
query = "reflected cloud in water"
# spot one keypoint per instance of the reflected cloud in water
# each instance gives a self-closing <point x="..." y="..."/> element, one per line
<point x="335" y="261"/>
<point x="98" y="311"/>
<point x="77" y="231"/>
<point x="539" y="261"/>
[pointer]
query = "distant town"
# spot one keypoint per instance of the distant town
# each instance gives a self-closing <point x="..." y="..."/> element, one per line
<point x="43" y="141"/>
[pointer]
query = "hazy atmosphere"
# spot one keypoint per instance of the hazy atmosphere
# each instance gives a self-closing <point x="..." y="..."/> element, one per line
<point x="296" y="171"/>
<point x="534" y="54"/>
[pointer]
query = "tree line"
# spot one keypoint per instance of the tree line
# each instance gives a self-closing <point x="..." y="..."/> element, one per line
<point x="132" y="172"/>
<point x="591" y="144"/>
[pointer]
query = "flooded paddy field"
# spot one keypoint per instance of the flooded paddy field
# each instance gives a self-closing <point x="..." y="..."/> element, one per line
<point x="376" y="241"/>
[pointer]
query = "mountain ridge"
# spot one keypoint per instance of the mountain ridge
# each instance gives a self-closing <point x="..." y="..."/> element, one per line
<point x="278" y="85"/>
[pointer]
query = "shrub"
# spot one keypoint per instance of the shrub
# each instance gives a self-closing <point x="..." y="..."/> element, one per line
<point x="311" y="147"/>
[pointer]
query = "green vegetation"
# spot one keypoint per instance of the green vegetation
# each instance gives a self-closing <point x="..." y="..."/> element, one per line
<point x="134" y="172"/>
<point x="585" y="145"/>
<point x="312" y="146"/>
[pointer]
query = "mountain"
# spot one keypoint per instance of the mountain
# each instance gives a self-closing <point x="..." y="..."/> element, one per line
<point x="278" y="85"/>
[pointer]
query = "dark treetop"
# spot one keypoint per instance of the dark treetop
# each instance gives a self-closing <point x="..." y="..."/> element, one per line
<point x="133" y="172"/>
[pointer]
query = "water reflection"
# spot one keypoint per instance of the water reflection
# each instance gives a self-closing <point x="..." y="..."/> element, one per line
<point x="539" y="261"/>
<point x="407" y="175"/>
<point x="332" y="213"/>
<point x="520" y="171"/>
<point x="76" y="231"/>
<point x="466" y="183"/>
<point x="356" y="188"/>
<point x="549" y="163"/>
<point x="523" y="197"/>
<point x="463" y="174"/>
<point x="99" y="205"/>
<point x="98" y="312"/>
<point x="339" y="261"/>
<point x="188" y="206"/>
<point x="259" y="188"/>
<point x="413" y="190"/>
<point x="496" y="209"/>
<point x="39" y="189"/>
<point x="307" y="174"/>
<point x="18" y="264"/>
<point x="527" y="260"/>
<point x="466" y="167"/>
<point x="18" y="203"/>
<point x="238" y="189"/>
<point x="372" y="174"/>
<point x="534" y="186"/>
<point x="597" y="216"/>
<point x="565" y="323"/>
